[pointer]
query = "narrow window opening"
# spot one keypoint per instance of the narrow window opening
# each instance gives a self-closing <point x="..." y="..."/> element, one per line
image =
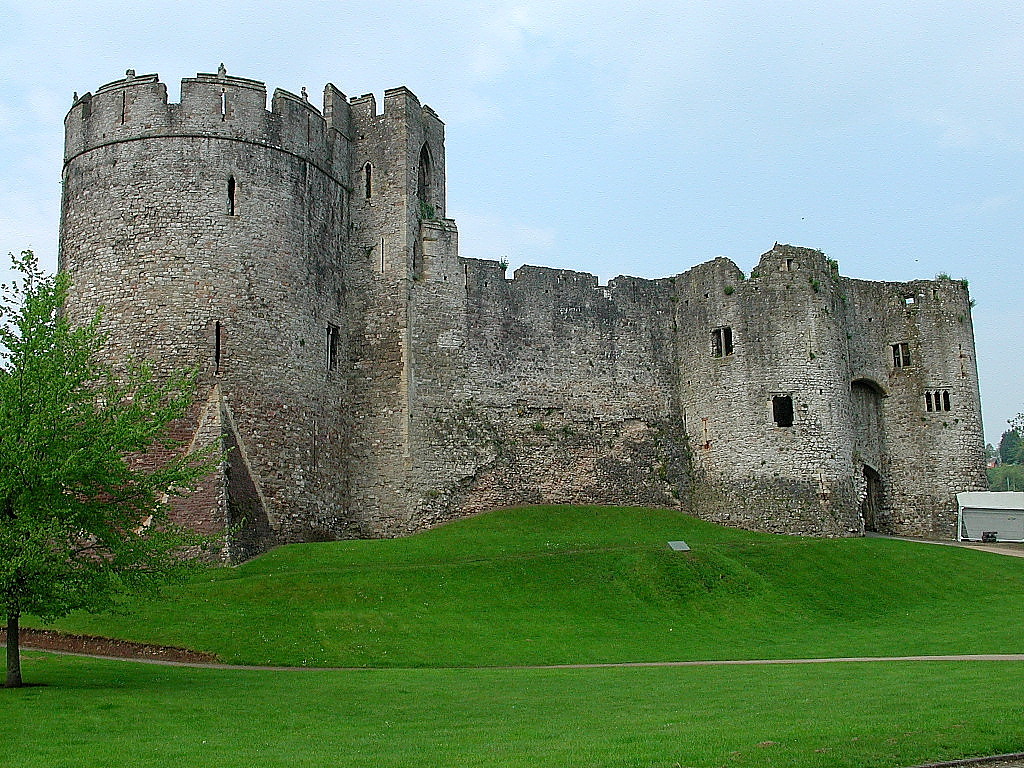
<point x="86" y="108"/>
<point x="223" y="105"/>
<point x="231" y="195"/>
<point x="938" y="400"/>
<point x="309" y="130"/>
<point x="721" y="342"/>
<point x="900" y="355"/>
<point x="368" y="180"/>
<point x="908" y="300"/>
<point x="382" y="255"/>
<point x="789" y="265"/>
<point x="216" y="347"/>
<point x="782" y="410"/>
<point x="333" y="336"/>
<point x="124" y="105"/>
<point x="423" y="183"/>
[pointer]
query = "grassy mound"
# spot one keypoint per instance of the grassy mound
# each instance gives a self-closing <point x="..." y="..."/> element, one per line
<point x="544" y="585"/>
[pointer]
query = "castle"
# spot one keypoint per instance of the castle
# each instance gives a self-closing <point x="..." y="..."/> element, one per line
<point x="371" y="382"/>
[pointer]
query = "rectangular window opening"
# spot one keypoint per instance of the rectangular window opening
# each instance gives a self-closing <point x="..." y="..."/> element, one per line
<point x="333" y="337"/>
<point x="216" y="347"/>
<point x="721" y="342"/>
<point x="937" y="400"/>
<point x="900" y="355"/>
<point x="782" y="410"/>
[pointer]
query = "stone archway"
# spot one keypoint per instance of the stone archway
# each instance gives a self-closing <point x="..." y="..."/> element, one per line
<point x="869" y="451"/>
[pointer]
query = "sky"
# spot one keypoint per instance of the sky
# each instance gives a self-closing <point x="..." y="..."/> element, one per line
<point x="637" y="138"/>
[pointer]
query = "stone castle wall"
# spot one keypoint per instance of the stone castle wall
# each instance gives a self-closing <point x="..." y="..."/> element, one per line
<point x="370" y="381"/>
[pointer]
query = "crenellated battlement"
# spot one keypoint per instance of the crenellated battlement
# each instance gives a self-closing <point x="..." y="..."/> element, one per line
<point x="212" y="105"/>
<point x="399" y="103"/>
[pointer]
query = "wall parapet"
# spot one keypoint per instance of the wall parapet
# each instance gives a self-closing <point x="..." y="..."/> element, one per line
<point x="215" y="106"/>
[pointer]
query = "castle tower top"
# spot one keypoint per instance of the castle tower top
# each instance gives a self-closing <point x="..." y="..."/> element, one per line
<point x="213" y="105"/>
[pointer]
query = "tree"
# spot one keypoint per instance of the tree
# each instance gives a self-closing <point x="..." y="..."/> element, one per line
<point x="82" y="519"/>
<point x="1006" y="477"/>
<point x="1010" y="446"/>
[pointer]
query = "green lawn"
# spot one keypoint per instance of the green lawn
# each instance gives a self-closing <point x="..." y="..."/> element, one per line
<point x="108" y="714"/>
<point x="548" y="585"/>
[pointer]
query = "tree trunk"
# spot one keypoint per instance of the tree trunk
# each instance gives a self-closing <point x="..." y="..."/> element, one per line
<point x="13" y="652"/>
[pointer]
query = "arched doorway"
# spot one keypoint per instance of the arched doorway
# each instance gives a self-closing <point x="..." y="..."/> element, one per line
<point x="869" y="450"/>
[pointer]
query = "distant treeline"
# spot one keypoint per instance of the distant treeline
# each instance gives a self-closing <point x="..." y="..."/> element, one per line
<point x="1006" y="477"/>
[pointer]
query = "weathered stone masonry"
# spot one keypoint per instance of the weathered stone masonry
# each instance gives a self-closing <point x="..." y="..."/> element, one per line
<point x="369" y="381"/>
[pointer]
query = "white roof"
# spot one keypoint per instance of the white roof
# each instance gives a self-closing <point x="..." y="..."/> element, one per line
<point x="991" y="500"/>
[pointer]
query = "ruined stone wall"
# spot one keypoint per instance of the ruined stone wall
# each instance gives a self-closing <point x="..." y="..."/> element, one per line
<point x="212" y="232"/>
<point x="551" y="388"/>
<point x="541" y="388"/>
<point x="934" y="446"/>
<point x="368" y="381"/>
<point x="753" y="466"/>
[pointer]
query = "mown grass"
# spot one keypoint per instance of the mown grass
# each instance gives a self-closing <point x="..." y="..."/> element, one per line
<point x="103" y="714"/>
<point x="547" y="585"/>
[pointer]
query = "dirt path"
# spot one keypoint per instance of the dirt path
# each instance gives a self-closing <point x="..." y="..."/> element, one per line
<point x="105" y="647"/>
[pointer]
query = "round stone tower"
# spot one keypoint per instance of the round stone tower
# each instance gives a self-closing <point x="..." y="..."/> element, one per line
<point x="211" y="233"/>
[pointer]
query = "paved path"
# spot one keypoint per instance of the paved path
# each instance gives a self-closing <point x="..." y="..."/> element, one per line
<point x="604" y="665"/>
<point x="1016" y="760"/>
<point x="996" y="761"/>
<point x="997" y="549"/>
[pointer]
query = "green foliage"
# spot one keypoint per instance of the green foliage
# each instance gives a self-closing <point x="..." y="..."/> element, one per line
<point x="427" y="211"/>
<point x="1011" y="448"/>
<point x="730" y="290"/>
<point x="943" y="276"/>
<point x="544" y="585"/>
<point x="80" y="522"/>
<point x="1006" y="477"/>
